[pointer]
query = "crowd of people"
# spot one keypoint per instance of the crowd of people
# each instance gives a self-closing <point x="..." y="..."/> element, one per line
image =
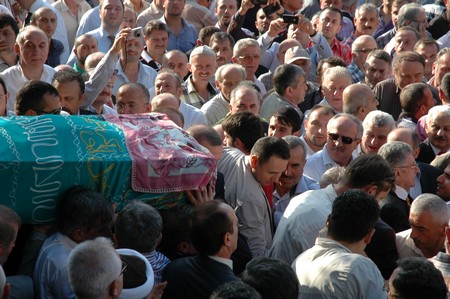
<point x="329" y="121"/>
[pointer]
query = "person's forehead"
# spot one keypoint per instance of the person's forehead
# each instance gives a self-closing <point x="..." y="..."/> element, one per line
<point x="342" y="124"/>
<point x="36" y="36"/>
<point x="221" y="43"/>
<point x="87" y="40"/>
<point x="427" y="48"/>
<point x="372" y="61"/>
<point x="112" y="2"/>
<point x="226" y="2"/>
<point x="330" y="14"/>
<point x="166" y="78"/>
<point x="337" y="79"/>
<point x="46" y="14"/>
<point x="177" y="57"/>
<point x="373" y="129"/>
<point x="246" y="97"/>
<point x="232" y="73"/>
<point x="202" y="58"/>
<point x="406" y="65"/>
<point x="367" y="13"/>
<point x="249" y="49"/>
<point x="405" y="34"/>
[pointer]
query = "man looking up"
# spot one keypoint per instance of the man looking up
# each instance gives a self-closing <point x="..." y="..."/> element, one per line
<point x="32" y="48"/>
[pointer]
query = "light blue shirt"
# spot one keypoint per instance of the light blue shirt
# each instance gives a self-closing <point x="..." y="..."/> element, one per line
<point x="185" y="41"/>
<point x="89" y="21"/>
<point x="51" y="279"/>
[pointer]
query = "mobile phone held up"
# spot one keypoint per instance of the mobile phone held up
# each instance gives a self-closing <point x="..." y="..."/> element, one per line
<point x="270" y="9"/>
<point x="290" y="19"/>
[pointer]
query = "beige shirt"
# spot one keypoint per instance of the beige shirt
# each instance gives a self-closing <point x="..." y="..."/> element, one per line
<point x="71" y="21"/>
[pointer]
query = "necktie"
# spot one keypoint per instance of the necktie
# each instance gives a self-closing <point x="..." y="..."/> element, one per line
<point x="28" y="18"/>
<point x="409" y="200"/>
<point x="111" y="38"/>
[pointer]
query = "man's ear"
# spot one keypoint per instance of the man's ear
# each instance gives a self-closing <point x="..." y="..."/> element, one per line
<point x="77" y="235"/>
<point x="233" y="59"/>
<point x="227" y="240"/>
<point x="371" y="189"/>
<point x="114" y="289"/>
<point x="189" y="68"/>
<point x="369" y="236"/>
<point x="17" y="48"/>
<point x="328" y="220"/>
<point x="6" y="291"/>
<point x="253" y="160"/>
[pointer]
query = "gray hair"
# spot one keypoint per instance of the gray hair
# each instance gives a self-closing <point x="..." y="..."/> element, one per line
<point x="332" y="176"/>
<point x="286" y="75"/>
<point x="228" y="67"/>
<point x="436" y="111"/>
<point x="243" y="43"/>
<point x="433" y="204"/>
<point x="366" y="7"/>
<point x="92" y="266"/>
<point x="336" y="71"/>
<point x="243" y="86"/>
<point x="351" y="117"/>
<point x="408" y="12"/>
<point x="395" y="152"/>
<point x="295" y="142"/>
<point x="378" y="119"/>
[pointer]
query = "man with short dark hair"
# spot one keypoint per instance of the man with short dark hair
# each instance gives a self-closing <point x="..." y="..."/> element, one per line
<point x="307" y="213"/>
<point x="242" y="130"/>
<point x="417" y="278"/>
<point x="182" y="35"/>
<point x="350" y="228"/>
<point x="290" y="88"/>
<point x="244" y="178"/>
<point x="8" y="32"/>
<point x="416" y="100"/>
<point x="198" y="276"/>
<point x="315" y="136"/>
<point x="37" y="98"/>
<point x="408" y="68"/>
<point x="377" y="67"/>
<point x="156" y="36"/>
<point x="366" y="21"/>
<point x="82" y="214"/>
<point x="132" y="98"/>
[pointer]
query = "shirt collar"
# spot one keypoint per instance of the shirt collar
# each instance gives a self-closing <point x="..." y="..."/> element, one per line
<point x="222" y="260"/>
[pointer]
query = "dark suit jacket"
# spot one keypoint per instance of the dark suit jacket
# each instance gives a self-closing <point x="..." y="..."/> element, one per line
<point x="428" y="177"/>
<point x="382" y="249"/>
<point x="395" y="212"/>
<point x="426" y="154"/>
<point x="195" y="277"/>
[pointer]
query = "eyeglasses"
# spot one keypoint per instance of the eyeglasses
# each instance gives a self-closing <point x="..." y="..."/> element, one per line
<point x="57" y="111"/>
<point x="363" y="50"/>
<point x="345" y="140"/>
<point x="124" y="268"/>
<point x="414" y="166"/>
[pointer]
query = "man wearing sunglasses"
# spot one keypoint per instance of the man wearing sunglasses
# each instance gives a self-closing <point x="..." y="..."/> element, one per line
<point x="37" y="98"/>
<point x="344" y="135"/>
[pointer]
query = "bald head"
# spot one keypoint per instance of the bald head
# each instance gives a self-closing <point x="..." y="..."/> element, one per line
<point x="165" y="100"/>
<point x="92" y="60"/>
<point x="133" y="98"/>
<point x="361" y="47"/>
<point x="407" y="136"/>
<point x="359" y="100"/>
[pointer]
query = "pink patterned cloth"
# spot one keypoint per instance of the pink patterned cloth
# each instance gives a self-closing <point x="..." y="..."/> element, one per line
<point x="164" y="157"/>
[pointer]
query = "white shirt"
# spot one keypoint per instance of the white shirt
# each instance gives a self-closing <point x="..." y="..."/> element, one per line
<point x="405" y="245"/>
<point x="303" y="219"/>
<point x="14" y="79"/>
<point x="192" y="116"/>
<point x="146" y="76"/>
<point x="317" y="164"/>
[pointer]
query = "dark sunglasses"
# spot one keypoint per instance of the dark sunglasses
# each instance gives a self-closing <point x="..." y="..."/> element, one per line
<point x="345" y="140"/>
<point x="57" y="111"/>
